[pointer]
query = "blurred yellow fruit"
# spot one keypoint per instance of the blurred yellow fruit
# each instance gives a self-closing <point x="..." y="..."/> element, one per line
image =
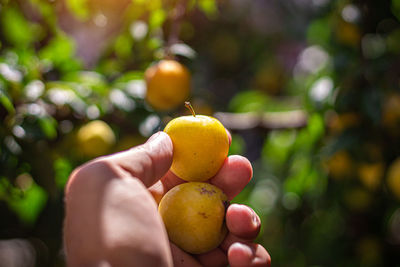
<point x="95" y="139"/>
<point x="348" y="33"/>
<point x="371" y="174"/>
<point x="337" y="123"/>
<point x="193" y="214"/>
<point x="393" y="177"/>
<point x="340" y="165"/>
<point x="391" y="111"/>
<point x="358" y="199"/>
<point x="168" y="85"/>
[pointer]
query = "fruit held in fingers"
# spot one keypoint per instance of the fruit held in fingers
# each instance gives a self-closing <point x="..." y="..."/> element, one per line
<point x="194" y="216"/>
<point x="201" y="145"/>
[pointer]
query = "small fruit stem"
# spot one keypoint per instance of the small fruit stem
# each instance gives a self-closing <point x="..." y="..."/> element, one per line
<point x="189" y="106"/>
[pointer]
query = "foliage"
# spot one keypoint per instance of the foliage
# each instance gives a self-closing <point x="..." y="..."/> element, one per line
<point x="328" y="193"/>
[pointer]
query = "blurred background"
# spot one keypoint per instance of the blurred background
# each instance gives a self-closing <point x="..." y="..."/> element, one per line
<point x="308" y="88"/>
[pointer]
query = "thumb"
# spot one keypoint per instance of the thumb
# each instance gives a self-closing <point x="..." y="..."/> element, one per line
<point x="148" y="162"/>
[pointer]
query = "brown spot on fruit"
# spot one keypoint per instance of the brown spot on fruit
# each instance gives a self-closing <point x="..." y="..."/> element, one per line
<point x="203" y="214"/>
<point x="204" y="191"/>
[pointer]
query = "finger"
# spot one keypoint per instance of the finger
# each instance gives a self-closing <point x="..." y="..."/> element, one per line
<point x="243" y="222"/>
<point x="248" y="255"/>
<point x="161" y="187"/>
<point x="182" y="259"/>
<point x="213" y="258"/>
<point x="148" y="162"/>
<point x="234" y="175"/>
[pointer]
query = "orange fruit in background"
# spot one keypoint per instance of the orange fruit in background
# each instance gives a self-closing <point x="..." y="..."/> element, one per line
<point x="168" y="85"/>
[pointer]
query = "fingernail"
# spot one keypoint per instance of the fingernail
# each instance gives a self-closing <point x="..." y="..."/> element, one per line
<point x="255" y="219"/>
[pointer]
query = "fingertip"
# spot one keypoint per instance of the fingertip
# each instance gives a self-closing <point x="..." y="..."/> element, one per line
<point x="147" y="162"/>
<point x="242" y="221"/>
<point x="161" y="138"/>
<point x="233" y="176"/>
<point x="239" y="255"/>
<point x="246" y="255"/>
<point x="244" y="163"/>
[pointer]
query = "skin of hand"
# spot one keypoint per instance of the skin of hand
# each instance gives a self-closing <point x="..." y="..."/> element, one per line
<point x="112" y="219"/>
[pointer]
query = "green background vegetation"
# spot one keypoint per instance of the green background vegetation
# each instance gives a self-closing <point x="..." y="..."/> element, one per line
<point x="320" y="186"/>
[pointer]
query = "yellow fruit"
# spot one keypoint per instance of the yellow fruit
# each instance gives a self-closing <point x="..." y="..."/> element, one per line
<point x="340" y="165"/>
<point x="348" y="33"/>
<point x="201" y="145"/>
<point x="168" y="85"/>
<point x="393" y="177"/>
<point x="391" y="111"/>
<point x="95" y="138"/>
<point x="371" y="174"/>
<point x="194" y="216"/>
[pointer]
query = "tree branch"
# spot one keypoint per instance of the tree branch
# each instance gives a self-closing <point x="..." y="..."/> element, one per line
<point x="265" y="120"/>
<point x="176" y="21"/>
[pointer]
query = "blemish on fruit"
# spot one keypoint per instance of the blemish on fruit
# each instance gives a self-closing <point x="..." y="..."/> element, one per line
<point x="203" y="191"/>
<point x="203" y="214"/>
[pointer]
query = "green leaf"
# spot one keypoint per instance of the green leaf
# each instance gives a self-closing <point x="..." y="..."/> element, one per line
<point x="93" y="80"/>
<point x="48" y="125"/>
<point x="79" y="8"/>
<point x="5" y="100"/>
<point x="238" y="145"/>
<point x="29" y="204"/>
<point x="60" y="52"/>
<point x="157" y="18"/>
<point x="123" y="46"/>
<point x="396" y="8"/>
<point x="129" y="76"/>
<point x="277" y="146"/>
<point x="319" y="32"/>
<point x="63" y="169"/>
<point x="16" y="29"/>
<point x="209" y="7"/>
<point x="248" y="101"/>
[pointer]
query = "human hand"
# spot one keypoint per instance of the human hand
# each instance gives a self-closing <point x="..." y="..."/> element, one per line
<point x="112" y="218"/>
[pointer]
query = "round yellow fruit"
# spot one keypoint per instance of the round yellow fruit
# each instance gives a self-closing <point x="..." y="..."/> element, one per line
<point x="393" y="177"/>
<point x="194" y="216"/>
<point x="201" y="145"/>
<point x="168" y="85"/>
<point x="95" y="138"/>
